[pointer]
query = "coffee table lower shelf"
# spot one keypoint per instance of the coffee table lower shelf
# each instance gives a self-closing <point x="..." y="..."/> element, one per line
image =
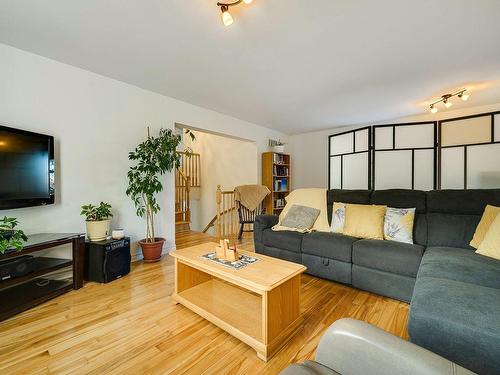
<point x="264" y="320"/>
<point x="228" y="307"/>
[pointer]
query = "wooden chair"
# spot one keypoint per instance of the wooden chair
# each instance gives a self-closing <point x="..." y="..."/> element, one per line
<point x="248" y="217"/>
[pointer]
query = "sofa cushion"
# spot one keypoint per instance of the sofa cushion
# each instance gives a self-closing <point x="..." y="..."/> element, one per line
<point x="457" y="320"/>
<point x="395" y="257"/>
<point x="451" y="230"/>
<point x="462" y="202"/>
<point x="328" y="245"/>
<point x="453" y="215"/>
<point x="460" y="265"/>
<point x="346" y="196"/>
<point x="286" y="240"/>
<point x="401" y="198"/>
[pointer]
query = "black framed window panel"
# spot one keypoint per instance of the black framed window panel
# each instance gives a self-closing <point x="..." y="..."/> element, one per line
<point x="404" y="156"/>
<point x="349" y="160"/>
<point x="469" y="152"/>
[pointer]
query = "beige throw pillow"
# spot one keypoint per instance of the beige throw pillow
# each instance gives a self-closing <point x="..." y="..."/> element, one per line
<point x="489" y="214"/>
<point x="490" y="246"/>
<point x="364" y="221"/>
<point x="313" y="197"/>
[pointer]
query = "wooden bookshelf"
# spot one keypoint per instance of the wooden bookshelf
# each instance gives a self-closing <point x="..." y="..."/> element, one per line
<point x="276" y="175"/>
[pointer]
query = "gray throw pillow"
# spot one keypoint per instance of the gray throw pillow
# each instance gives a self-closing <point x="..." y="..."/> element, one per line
<point x="300" y="217"/>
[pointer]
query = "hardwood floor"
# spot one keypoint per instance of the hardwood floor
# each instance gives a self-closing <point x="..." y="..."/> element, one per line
<point x="131" y="326"/>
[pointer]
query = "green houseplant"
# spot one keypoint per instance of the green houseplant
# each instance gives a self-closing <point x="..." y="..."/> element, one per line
<point x="10" y="237"/>
<point x="153" y="158"/>
<point x="97" y="219"/>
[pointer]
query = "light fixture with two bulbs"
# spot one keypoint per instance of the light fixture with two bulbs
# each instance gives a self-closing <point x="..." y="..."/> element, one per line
<point x="227" y="18"/>
<point x="445" y="99"/>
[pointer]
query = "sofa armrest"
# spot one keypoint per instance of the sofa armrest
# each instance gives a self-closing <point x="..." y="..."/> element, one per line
<point x="263" y="222"/>
<point x="354" y="347"/>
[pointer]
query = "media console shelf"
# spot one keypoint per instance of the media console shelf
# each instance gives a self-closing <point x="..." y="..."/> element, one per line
<point x="50" y="277"/>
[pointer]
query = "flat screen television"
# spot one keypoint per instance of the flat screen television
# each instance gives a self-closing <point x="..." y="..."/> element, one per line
<point x="26" y="168"/>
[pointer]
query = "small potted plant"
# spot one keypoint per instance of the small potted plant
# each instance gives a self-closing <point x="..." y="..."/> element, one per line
<point x="97" y="219"/>
<point x="279" y="147"/>
<point x="153" y="158"/>
<point x="10" y="237"/>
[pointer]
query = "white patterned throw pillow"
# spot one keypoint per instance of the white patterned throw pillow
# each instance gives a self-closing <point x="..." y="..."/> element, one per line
<point x="398" y="224"/>
<point x="338" y="217"/>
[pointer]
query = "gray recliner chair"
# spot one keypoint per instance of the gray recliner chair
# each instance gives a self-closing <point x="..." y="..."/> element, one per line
<point x="353" y="347"/>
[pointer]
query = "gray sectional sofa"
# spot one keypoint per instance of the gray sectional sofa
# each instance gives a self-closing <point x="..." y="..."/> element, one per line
<point x="454" y="293"/>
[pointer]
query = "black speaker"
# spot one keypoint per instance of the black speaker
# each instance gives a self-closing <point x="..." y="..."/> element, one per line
<point x="16" y="267"/>
<point x="108" y="260"/>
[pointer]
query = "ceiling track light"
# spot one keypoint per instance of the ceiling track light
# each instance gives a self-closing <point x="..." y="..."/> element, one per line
<point x="445" y="99"/>
<point x="227" y="18"/>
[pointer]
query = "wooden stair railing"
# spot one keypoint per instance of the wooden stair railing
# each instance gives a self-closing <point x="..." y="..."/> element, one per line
<point x="182" y="202"/>
<point x="227" y="214"/>
<point x="190" y="166"/>
<point x="226" y="218"/>
<point x="214" y="220"/>
<point x="188" y="175"/>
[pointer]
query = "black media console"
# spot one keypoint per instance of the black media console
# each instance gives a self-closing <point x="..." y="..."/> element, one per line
<point x="49" y="277"/>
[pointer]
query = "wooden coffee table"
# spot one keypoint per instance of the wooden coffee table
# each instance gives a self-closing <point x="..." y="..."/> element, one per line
<point x="258" y="304"/>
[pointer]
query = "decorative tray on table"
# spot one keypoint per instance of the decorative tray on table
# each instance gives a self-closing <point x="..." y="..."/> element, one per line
<point x="243" y="261"/>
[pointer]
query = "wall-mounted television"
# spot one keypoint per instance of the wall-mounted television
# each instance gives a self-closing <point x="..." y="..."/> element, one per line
<point x="26" y="168"/>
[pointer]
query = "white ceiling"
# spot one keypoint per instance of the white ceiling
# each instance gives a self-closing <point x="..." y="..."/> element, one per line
<point x="292" y="65"/>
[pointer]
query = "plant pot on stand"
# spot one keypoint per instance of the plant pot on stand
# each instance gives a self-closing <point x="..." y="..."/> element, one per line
<point x="97" y="220"/>
<point x="151" y="251"/>
<point x="97" y="230"/>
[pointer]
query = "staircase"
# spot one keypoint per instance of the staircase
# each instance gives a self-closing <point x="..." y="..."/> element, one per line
<point x="186" y="177"/>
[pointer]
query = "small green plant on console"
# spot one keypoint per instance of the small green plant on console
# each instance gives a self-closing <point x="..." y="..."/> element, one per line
<point x="97" y="220"/>
<point x="97" y="213"/>
<point x="10" y="237"/>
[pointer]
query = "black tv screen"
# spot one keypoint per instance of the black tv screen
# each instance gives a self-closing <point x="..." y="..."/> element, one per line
<point x="26" y="168"/>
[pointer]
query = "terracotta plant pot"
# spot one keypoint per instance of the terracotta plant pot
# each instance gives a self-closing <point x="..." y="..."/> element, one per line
<point x="151" y="251"/>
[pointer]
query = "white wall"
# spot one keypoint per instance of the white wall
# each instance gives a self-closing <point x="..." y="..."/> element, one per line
<point x="225" y="161"/>
<point x="310" y="150"/>
<point x="96" y="121"/>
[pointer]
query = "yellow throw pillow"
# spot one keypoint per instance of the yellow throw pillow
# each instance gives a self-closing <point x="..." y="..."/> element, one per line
<point x="490" y="246"/>
<point x="364" y="221"/>
<point x="490" y="213"/>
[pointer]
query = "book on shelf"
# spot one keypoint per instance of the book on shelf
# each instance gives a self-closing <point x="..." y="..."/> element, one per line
<point x="279" y="203"/>
<point x="280" y="184"/>
<point x="278" y="159"/>
<point x="280" y="170"/>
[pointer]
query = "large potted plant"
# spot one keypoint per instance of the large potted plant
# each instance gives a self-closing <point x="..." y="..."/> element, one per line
<point x="10" y="237"/>
<point x="97" y="219"/>
<point x="153" y="158"/>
